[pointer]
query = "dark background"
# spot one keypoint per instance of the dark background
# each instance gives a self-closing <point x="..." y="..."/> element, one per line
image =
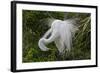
<point x="35" y="24"/>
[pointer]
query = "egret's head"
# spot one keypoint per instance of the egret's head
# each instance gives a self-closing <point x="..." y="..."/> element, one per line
<point x="42" y="44"/>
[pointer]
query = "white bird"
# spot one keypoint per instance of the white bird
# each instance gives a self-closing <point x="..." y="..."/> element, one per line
<point x="61" y="33"/>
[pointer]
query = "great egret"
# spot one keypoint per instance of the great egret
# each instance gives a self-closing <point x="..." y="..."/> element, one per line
<point x="61" y="33"/>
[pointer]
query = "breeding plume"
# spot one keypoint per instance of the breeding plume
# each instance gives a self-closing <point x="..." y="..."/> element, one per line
<point x="61" y="33"/>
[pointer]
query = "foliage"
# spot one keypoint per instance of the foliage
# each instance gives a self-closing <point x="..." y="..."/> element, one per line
<point x="34" y="27"/>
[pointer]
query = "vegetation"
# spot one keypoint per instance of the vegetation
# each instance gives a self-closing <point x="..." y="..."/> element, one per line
<point x="34" y="27"/>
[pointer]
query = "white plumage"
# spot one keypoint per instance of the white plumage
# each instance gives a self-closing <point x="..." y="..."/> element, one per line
<point x="61" y="33"/>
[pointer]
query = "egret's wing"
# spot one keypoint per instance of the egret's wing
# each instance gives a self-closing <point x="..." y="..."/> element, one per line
<point x="60" y="45"/>
<point x="72" y="24"/>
